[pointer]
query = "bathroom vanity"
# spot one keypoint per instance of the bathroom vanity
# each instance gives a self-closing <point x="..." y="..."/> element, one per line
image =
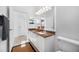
<point x="42" y="40"/>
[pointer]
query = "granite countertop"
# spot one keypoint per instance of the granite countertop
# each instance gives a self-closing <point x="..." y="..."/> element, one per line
<point x="42" y="33"/>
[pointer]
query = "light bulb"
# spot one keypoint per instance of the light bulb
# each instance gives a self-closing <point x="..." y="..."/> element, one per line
<point x="43" y="10"/>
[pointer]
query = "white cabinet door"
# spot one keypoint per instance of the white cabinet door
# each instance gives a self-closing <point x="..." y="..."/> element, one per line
<point x="36" y="40"/>
<point x="39" y="43"/>
<point x="49" y="44"/>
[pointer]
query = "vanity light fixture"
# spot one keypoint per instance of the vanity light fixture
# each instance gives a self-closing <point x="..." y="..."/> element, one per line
<point x="43" y="10"/>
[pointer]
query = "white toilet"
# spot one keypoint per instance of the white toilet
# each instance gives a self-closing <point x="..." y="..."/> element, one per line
<point x="67" y="45"/>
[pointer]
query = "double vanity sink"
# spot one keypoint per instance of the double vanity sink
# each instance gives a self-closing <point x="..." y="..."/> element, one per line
<point x="42" y="40"/>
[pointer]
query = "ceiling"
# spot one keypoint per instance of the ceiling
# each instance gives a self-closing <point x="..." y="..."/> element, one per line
<point x="30" y="10"/>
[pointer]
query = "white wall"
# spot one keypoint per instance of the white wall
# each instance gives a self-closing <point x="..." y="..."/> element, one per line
<point x="67" y="22"/>
<point x="3" y="10"/>
<point x="18" y="24"/>
<point x="49" y="20"/>
<point x="3" y="44"/>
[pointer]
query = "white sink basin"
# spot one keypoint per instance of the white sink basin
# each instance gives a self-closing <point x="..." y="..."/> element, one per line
<point x="42" y="32"/>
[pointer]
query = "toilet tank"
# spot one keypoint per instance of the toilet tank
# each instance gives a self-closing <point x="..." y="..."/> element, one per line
<point x="68" y="45"/>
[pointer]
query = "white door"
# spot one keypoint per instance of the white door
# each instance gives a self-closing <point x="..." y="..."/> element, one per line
<point x="18" y="25"/>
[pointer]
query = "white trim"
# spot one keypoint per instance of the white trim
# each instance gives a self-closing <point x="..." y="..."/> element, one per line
<point x="68" y="40"/>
